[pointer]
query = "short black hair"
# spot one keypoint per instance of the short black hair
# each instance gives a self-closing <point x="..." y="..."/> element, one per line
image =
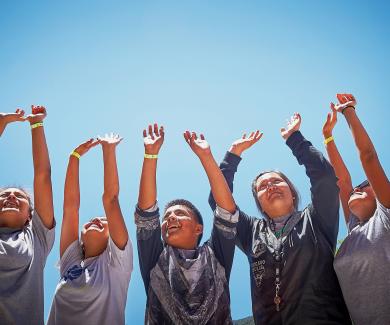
<point x="191" y="207"/>
<point x="294" y="191"/>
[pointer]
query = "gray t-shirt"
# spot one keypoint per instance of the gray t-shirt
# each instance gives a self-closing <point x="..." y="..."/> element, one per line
<point x="23" y="256"/>
<point x="92" y="291"/>
<point x="362" y="265"/>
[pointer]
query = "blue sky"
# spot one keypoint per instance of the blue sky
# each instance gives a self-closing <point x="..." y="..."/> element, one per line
<point x="220" y="67"/>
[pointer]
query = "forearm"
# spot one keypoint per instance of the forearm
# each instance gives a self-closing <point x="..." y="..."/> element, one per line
<point x="111" y="179"/>
<point x="148" y="188"/>
<point x="337" y="162"/>
<point x="3" y="123"/>
<point x="72" y="186"/>
<point x="219" y="187"/>
<point x="40" y="152"/>
<point x="362" y="140"/>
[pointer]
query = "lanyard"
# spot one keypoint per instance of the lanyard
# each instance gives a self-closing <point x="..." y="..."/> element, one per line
<point x="278" y="262"/>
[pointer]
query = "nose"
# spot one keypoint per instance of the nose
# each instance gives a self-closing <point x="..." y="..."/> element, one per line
<point x="12" y="196"/>
<point x="172" y="217"/>
<point x="270" y="185"/>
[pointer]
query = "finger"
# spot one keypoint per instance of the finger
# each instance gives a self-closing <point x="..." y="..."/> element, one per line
<point x="144" y="133"/>
<point x="340" y="97"/>
<point x="282" y="130"/>
<point x="162" y="131"/>
<point x="333" y="108"/>
<point x="155" y="129"/>
<point x="259" y="136"/>
<point x="251" y="135"/>
<point x="193" y="136"/>
<point x="243" y="136"/>
<point x="187" y="136"/>
<point x="150" y="129"/>
<point x="201" y="136"/>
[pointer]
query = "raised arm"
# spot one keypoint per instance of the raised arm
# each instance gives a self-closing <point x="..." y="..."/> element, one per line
<point x="344" y="178"/>
<point x="6" y="118"/>
<point x="116" y="223"/>
<point x="153" y="140"/>
<point x="324" y="189"/>
<point x="367" y="153"/>
<point x="219" y="188"/>
<point x="148" y="222"/>
<point x="233" y="157"/>
<point x="43" y="195"/>
<point x="70" y="220"/>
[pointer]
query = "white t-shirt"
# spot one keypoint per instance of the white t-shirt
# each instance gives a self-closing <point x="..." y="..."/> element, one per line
<point x="23" y="255"/>
<point x="94" y="290"/>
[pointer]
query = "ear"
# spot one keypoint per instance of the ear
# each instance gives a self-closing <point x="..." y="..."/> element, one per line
<point x="198" y="229"/>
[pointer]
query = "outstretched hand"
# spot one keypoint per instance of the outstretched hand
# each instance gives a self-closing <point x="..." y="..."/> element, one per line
<point x="38" y="114"/>
<point x="109" y="140"/>
<point x="153" y="139"/>
<point x="292" y="125"/>
<point x="18" y="116"/>
<point x="345" y="100"/>
<point x="199" y="145"/>
<point x="330" y="122"/>
<point x="244" y="143"/>
<point x="85" y="146"/>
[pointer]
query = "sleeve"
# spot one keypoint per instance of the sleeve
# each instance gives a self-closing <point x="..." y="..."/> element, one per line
<point x="121" y="258"/>
<point x="44" y="235"/>
<point x="229" y="167"/>
<point x="72" y="256"/>
<point x="223" y="237"/>
<point x="149" y="241"/>
<point x="324" y="189"/>
<point x="384" y="214"/>
<point x="352" y="222"/>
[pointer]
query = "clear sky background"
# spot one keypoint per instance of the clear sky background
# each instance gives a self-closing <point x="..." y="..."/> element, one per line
<point x="217" y="67"/>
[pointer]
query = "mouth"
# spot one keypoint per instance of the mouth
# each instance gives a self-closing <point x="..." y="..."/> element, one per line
<point x="274" y="195"/>
<point x="94" y="225"/>
<point x="172" y="229"/>
<point x="10" y="205"/>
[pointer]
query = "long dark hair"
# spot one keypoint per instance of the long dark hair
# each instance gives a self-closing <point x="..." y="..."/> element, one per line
<point x="294" y="191"/>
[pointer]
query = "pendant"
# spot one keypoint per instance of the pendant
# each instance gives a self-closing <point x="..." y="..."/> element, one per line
<point x="277" y="301"/>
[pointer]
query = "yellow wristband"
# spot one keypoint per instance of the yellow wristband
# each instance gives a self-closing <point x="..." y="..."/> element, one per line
<point x="327" y="140"/>
<point x="147" y="156"/>
<point x="75" y="154"/>
<point x="36" y="125"/>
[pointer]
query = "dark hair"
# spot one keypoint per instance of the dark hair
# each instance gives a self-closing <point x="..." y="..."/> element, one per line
<point x="191" y="207"/>
<point x="26" y="192"/>
<point x="294" y="191"/>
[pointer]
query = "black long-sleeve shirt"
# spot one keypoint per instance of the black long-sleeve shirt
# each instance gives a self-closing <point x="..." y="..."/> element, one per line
<point x="186" y="286"/>
<point x="309" y="289"/>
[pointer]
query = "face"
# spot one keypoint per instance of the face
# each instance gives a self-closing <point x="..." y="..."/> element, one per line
<point x="180" y="228"/>
<point x="362" y="201"/>
<point x="94" y="235"/>
<point x="14" y="208"/>
<point x="274" y="195"/>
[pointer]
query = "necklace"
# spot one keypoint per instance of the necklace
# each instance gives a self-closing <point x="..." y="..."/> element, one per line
<point x="278" y="254"/>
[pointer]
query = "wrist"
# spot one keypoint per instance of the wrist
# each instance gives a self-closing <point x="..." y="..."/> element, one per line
<point x="36" y="125"/>
<point x="150" y="156"/>
<point x="75" y="154"/>
<point x="327" y="134"/>
<point x="348" y="109"/>
<point x="233" y="149"/>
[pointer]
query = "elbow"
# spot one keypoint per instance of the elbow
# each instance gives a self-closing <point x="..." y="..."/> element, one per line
<point x="366" y="156"/>
<point x="110" y="198"/>
<point x="43" y="172"/>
